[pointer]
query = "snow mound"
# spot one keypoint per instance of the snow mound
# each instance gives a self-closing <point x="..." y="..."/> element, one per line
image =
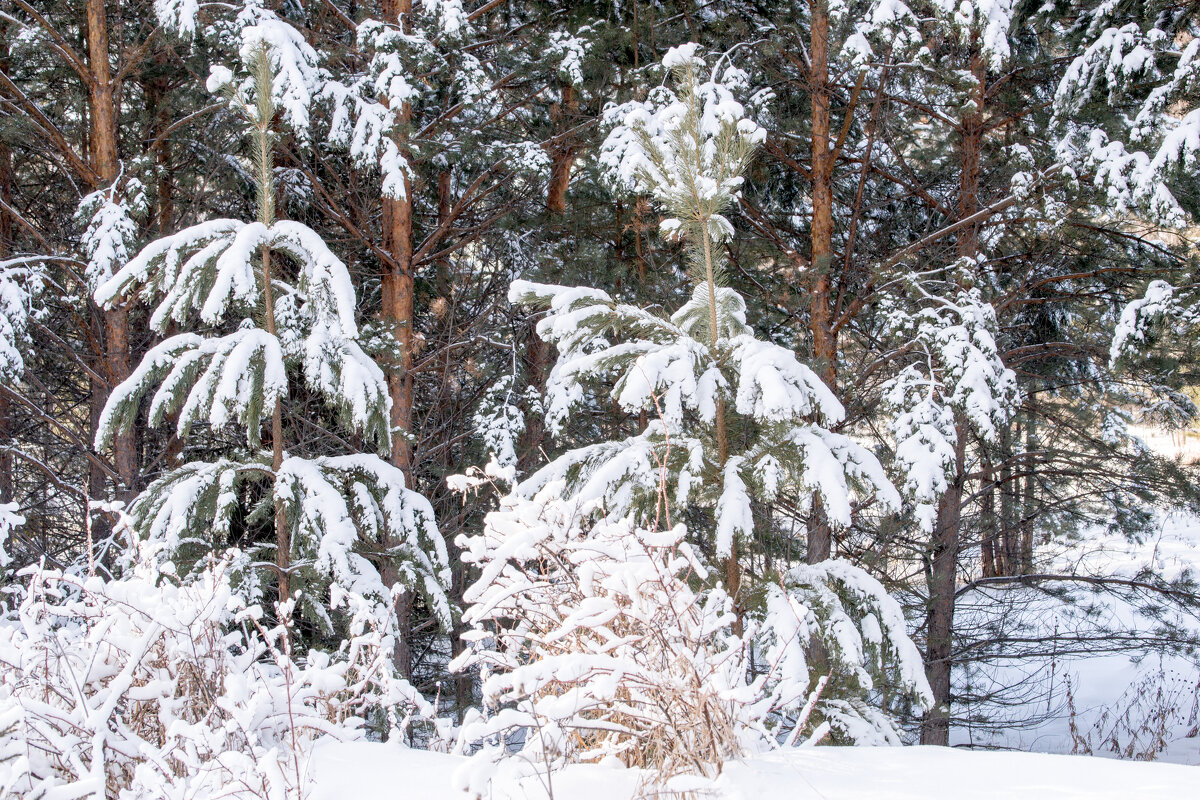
<point x="367" y="771"/>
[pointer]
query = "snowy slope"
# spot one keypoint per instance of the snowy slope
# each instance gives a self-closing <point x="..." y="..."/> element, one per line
<point x="364" y="771"/>
<point x="1121" y="697"/>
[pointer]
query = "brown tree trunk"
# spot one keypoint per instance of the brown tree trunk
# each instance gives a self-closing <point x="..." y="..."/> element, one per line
<point x="987" y="525"/>
<point x="1028" y="499"/>
<point x="562" y="154"/>
<point x="155" y="90"/>
<point x="399" y="316"/>
<point x="7" y="229"/>
<point x="101" y="103"/>
<point x="820" y="533"/>
<point x="821" y="314"/>
<point x="444" y="286"/>
<point x="7" y="478"/>
<point x="935" y="728"/>
<point x="397" y="288"/>
<point x="536" y="363"/>
<point x="1008" y="505"/>
<point x="968" y="180"/>
<point x="102" y="139"/>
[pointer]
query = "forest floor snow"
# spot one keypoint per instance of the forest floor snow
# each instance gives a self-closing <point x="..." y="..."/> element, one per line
<point x="369" y="771"/>
<point x="1113" y="694"/>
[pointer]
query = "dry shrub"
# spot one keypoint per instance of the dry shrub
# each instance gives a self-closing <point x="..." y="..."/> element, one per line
<point x="594" y="645"/>
<point x="146" y="687"/>
<point x="1159" y="707"/>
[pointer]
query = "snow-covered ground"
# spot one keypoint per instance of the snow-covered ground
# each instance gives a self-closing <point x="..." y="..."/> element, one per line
<point x="383" y="771"/>
<point x="1110" y="696"/>
<point x="1120" y="700"/>
<point x="1183" y="445"/>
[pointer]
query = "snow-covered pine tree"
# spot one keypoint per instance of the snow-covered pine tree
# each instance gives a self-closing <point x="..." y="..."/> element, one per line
<point x="1126" y="112"/>
<point x="953" y="384"/>
<point x="953" y="388"/>
<point x="271" y="310"/>
<point x="1125" y="108"/>
<point x="730" y="423"/>
<point x="702" y="374"/>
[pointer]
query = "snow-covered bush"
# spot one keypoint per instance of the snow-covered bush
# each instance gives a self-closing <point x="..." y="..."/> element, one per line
<point x="154" y="687"/>
<point x="601" y="639"/>
<point x="593" y="645"/>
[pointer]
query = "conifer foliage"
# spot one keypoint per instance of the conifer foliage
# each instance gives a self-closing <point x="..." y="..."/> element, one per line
<point x="800" y="340"/>
<point x="275" y="310"/>
<point x="592" y="640"/>
<point x="702" y="372"/>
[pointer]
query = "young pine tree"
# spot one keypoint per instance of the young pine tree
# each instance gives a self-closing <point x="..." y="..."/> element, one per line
<point x="269" y="314"/>
<point x="595" y="614"/>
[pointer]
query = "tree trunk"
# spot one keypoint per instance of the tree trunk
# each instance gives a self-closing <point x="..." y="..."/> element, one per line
<point x="820" y="533"/>
<point x="821" y="313"/>
<point x="968" y="179"/>
<point x="987" y="524"/>
<point x="156" y="89"/>
<point x="1008" y="505"/>
<point x="283" y="539"/>
<point x="939" y="621"/>
<point x="101" y="105"/>
<point x="102" y="142"/>
<point x="444" y="286"/>
<point x="397" y="288"/>
<point x="7" y="229"/>
<point x="1028" y="499"/>
<point x="536" y="363"/>
<point x="935" y="728"/>
<point x="265" y="180"/>
<point x="399" y="315"/>
<point x="399" y="312"/>
<point x="562" y="153"/>
<point x="536" y="360"/>
<point x="7" y="478"/>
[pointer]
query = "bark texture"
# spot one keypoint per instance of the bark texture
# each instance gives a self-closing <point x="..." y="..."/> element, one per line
<point x="398" y="316"/>
<point x="824" y="337"/>
<point x="115" y="357"/>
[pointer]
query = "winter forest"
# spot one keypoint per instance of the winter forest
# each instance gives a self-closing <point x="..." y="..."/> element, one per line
<point x="599" y="400"/>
